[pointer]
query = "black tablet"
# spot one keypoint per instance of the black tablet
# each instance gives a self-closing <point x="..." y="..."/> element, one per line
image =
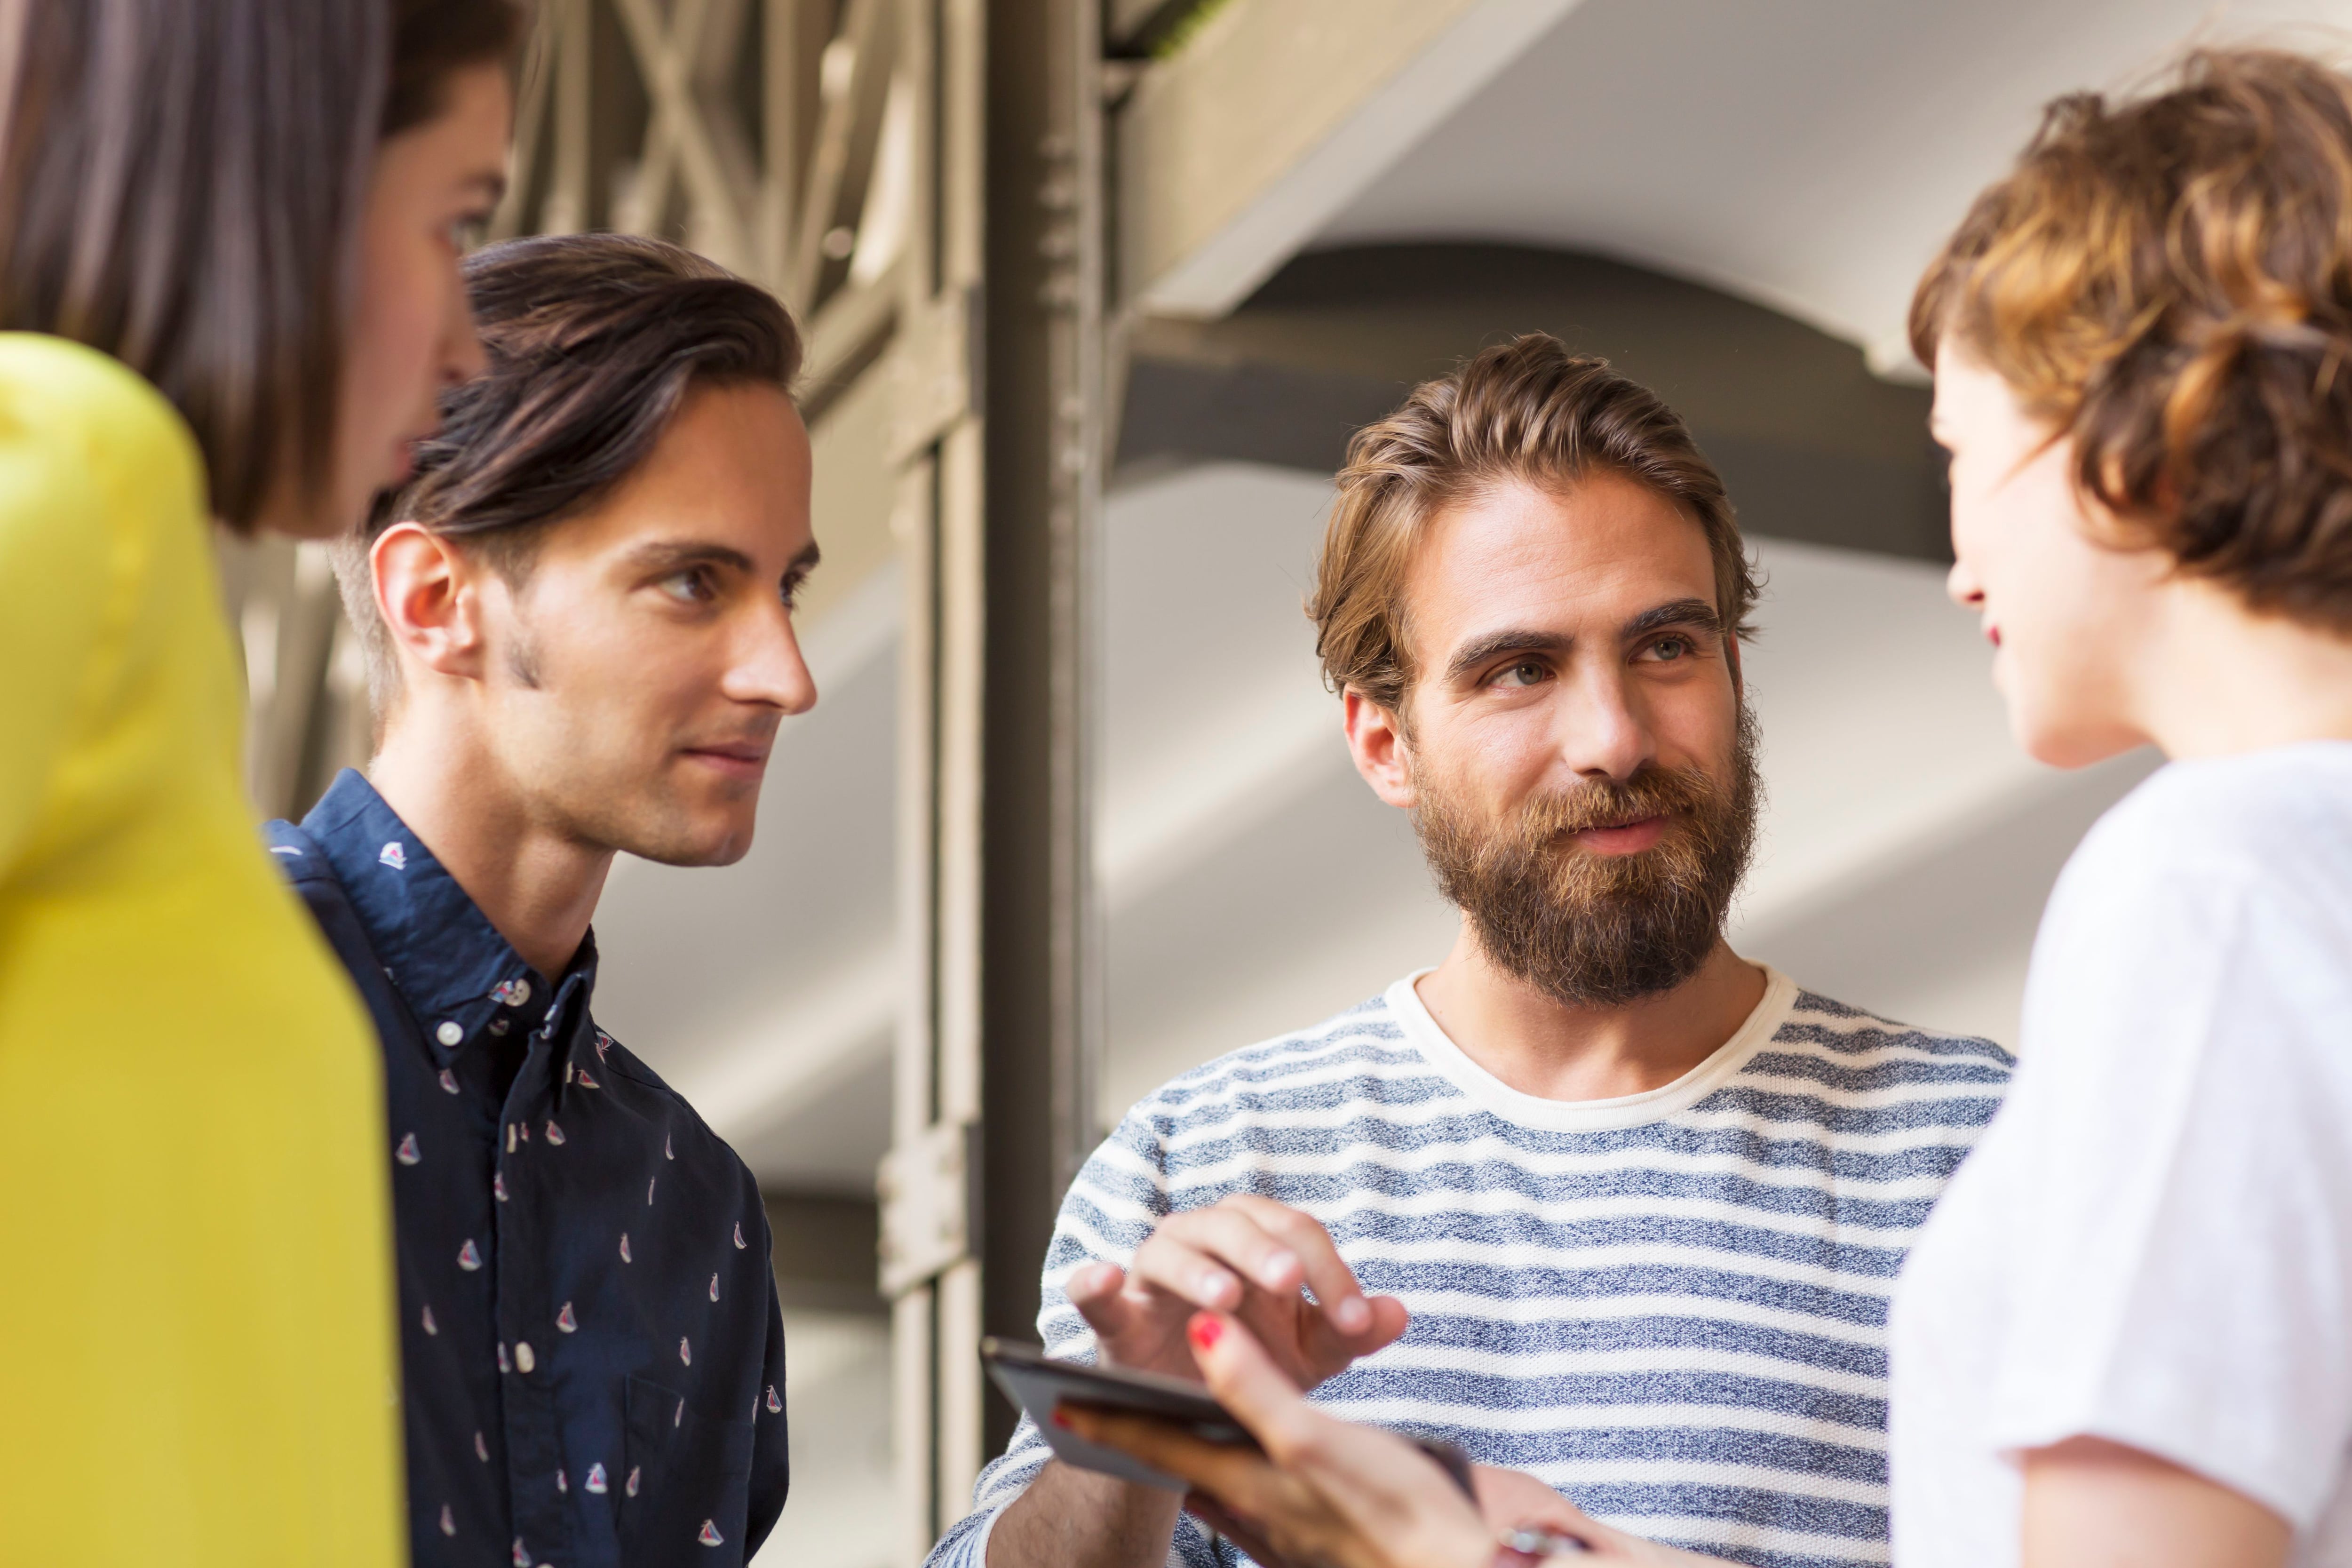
<point x="1037" y="1383"/>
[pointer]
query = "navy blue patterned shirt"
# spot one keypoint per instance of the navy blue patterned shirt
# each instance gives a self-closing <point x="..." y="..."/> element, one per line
<point x="592" y="1351"/>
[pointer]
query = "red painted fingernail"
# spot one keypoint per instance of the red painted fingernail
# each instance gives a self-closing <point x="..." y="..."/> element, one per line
<point x="1204" y="1330"/>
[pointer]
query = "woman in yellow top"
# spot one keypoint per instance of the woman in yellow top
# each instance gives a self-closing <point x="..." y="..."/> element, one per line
<point x="248" y="213"/>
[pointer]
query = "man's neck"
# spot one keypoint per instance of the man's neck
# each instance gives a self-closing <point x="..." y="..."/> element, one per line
<point x="1557" y="1051"/>
<point x="538" y="887"/>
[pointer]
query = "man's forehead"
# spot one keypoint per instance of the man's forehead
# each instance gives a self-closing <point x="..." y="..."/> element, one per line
<point x="1603" y="551"/>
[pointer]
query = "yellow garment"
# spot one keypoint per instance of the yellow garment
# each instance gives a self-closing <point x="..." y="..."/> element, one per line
<point x="197" y="1360"/>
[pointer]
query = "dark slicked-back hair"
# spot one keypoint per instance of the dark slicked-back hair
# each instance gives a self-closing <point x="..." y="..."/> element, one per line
<point x="593" y="340"/>
<point x="1526" y="412"/>
<point x="181" y="185"/>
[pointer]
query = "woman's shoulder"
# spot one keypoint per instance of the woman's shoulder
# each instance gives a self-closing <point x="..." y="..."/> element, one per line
<point x="76" y="425"/>
<point x="2279" y="816"/>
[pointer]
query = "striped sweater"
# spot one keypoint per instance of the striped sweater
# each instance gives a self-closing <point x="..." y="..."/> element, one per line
<point x="1671" y="1306"/>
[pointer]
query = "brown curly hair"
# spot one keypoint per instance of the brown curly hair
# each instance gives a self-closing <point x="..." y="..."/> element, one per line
<point x="1530" y="411"/>
<point x="2167" y="280"/>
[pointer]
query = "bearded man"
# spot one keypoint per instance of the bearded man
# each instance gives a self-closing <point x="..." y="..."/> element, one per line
<point x="1595" y="1197"/>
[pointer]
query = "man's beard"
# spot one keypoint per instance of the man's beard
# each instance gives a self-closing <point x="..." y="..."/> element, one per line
<point x="1592" y="929"/>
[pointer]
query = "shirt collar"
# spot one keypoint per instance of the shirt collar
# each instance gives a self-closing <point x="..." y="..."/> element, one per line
<point x="441" y="952"/>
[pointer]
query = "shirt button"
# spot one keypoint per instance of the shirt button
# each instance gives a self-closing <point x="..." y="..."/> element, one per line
<point x="448" y="1034"/>
<point x="523" y="1358"/>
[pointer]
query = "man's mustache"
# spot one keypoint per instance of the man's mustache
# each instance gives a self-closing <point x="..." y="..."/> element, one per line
<point x="1606" y="803"/>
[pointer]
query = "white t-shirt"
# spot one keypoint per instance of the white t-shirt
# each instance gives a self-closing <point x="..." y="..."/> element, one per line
<point x="2153" y="1243"/>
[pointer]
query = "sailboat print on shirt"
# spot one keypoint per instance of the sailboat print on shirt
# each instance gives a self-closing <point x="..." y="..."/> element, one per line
<point x="595" y="1481"/>
<point x="710" y="1536"/>
<point x="408" y="1153"/>
<point x="565" y="1321"/>
<point x="470" y="1257"/>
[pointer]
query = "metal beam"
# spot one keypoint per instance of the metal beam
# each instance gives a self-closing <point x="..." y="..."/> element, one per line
<point x="1040" y="994"/>
<point x="1813" y="446"/>
<point x="1234" y="154"/>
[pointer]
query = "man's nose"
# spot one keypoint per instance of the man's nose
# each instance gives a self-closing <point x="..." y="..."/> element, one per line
<point x="768" y="667"/>
<point x="1603" y="730"/>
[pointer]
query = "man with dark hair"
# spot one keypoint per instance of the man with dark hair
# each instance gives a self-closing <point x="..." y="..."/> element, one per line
<point x="578" y="620"/>
<point x="1594" y="1197"/>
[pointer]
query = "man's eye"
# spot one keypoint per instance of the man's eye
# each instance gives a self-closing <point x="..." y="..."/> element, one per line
<point x="691" y="588"/>
<point x="469" y="233"/>
<point x="1526" y="672"/>
<point x="1666" y="648"/>
<point x="791" y="592"/>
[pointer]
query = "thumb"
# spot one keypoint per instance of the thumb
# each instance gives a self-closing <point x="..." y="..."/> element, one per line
<point x="1246" y="1382"/>
<point x="1097" y="1292"/>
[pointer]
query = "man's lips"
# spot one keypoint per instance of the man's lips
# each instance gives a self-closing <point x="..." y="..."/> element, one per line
<point x="1627" y="837"/>
<point x="741" y="760"/>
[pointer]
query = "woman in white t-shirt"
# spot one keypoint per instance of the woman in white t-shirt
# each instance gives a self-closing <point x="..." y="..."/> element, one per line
<point x="2125" y="1334"/>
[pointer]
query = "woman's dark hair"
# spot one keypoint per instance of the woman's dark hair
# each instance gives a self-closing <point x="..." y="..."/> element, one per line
<point x="2167" y="280"/>
<point x="593" y="340"/>
<point x="180" y="187"/>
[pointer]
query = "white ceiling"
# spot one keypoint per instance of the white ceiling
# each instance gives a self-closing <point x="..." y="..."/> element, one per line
<point x="1807" y="154"/>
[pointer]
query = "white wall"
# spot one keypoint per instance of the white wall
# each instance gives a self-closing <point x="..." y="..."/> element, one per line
<point x="1254" y="884"/>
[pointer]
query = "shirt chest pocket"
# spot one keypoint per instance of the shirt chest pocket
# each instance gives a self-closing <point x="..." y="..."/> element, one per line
<point x="688" y="1482"/>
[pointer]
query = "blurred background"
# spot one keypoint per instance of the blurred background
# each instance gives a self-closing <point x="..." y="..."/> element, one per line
<point x="1095" y="292"/>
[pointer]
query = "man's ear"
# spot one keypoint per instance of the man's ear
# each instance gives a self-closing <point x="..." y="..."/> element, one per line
<point x="1377" y="741"/>
<point x="430" y="598"/>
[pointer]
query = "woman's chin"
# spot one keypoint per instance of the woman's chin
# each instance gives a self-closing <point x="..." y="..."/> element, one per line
<point x="2063" y="743"/>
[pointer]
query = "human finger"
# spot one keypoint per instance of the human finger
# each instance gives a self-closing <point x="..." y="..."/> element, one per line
<point x="1336" y="1288"/>
<point x="1250" y="1385"/>
<point x="1394" y="1500"/>
<point x="1092" y="1281"/>
<point x="1241" y="1532"/>
<point x="1233" y="1235"/>
<point x="1098" y="1292"/>
<point x="1165" y="1265"/>
<point x="1228" y="1470"/>
<point x="1330" y="1350"/>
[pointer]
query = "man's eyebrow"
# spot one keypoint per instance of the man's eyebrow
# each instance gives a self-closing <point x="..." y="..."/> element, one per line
<point x="806" y="560"/>
<point x="1470" y="655"/>
<point x="492" y="186"/>
<point x="1695" y="612"/>
<point x="667" y="554"/>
